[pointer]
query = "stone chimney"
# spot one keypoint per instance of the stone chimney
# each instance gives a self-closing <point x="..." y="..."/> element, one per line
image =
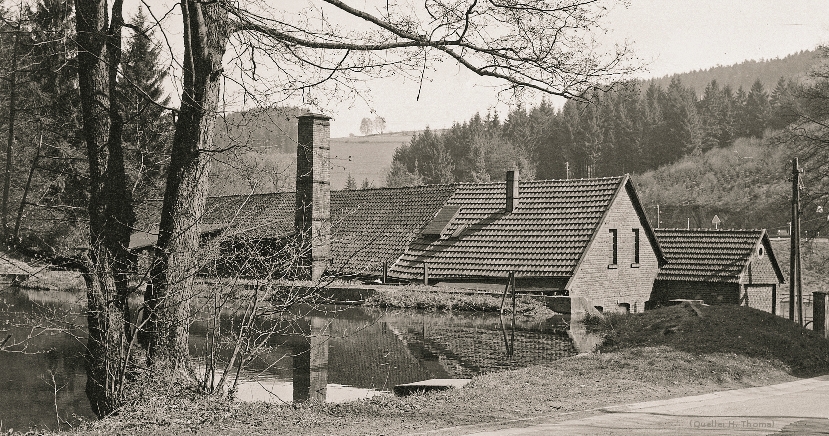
<point x="313" y="196"/>
<point x="513" y="199"/>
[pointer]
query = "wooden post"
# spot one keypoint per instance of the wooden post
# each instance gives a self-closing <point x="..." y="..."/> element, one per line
<point x="504" y="297"/>
<point x="794" y="238"/>
<point x="820" y="322"/>
<point x="385" y="277"/>
<point x="512" y="284"/>
<point x="658" y="217"/>
<point x="425" y="273"/>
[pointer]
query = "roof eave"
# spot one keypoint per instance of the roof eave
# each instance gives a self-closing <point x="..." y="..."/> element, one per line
<point x="637" y="204"/>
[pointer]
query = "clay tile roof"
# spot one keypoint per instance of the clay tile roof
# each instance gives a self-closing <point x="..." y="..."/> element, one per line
<point x="544" y="237"/>
<point x="368" y="226"/>
<point x="706" y="254"/>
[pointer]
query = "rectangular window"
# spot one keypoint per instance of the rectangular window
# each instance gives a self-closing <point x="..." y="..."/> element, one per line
<point x="636" y="246"/>
<point x="614" y="255"/>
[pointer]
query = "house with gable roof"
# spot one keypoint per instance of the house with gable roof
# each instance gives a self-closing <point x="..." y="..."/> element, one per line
<point x="587" y="237"/>
<point x="718" y="267"/>
<point x="369" y="228"/>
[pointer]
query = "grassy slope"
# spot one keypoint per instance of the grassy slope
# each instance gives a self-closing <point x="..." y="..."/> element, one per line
<point x="814" y="255"/>
<point x="659" y="354"/>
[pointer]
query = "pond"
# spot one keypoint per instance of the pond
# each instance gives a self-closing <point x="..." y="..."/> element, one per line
<point x="329" y="353"/>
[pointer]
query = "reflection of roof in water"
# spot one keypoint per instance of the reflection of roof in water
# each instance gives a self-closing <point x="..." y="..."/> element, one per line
<point x="466" y="347"/>
<point x="370" y="349"/>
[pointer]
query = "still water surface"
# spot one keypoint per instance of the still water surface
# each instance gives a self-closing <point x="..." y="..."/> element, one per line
<point x="335" y="354"/>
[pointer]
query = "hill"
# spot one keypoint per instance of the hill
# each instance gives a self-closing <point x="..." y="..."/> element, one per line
<point x="745" y="185"/>
<point x="768" y="71"/>
<point x="364" y="157"/>
<point x="264" y="159"/>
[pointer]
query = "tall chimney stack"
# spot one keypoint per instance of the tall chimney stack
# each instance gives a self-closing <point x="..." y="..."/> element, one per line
<point x="512" y="190"/>
<point x="313" y="195"/>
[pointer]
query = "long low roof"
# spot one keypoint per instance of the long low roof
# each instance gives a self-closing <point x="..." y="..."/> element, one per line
<point x="369" y="227"/>
<point x="708" y="255"/>
<point x="461" y="230"/>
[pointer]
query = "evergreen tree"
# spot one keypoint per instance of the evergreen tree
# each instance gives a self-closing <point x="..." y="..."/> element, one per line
<point x="655" y="131"/>
<point x="148" y="124"/>
<point x="756" y="110"/>
<point x="350" y="183"/>
<point x="782" y="103"/>
<point x="52" y="169"/>
<point x="399" y="176"/>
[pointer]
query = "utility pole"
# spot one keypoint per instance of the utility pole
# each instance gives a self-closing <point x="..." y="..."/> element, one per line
<point x="794" y="261"/>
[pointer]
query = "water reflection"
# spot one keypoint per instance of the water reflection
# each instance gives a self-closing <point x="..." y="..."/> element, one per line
<point x="327" y="353"/>
<point x="42" y="379"/>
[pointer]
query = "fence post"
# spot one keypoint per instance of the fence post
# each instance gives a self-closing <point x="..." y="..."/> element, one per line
<point x="425" y="273"/>
<point x="820" y="322"/>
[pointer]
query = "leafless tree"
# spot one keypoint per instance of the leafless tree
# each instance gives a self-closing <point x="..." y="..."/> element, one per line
<point x="325" y="50"/>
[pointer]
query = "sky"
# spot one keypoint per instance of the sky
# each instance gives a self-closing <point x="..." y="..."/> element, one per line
<point x="668" y="36"/>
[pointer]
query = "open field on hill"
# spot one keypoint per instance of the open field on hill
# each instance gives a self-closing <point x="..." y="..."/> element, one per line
<point x="364" y="157"/>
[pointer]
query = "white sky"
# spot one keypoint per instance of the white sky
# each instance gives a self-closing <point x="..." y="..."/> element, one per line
<point x="669" y="36"/>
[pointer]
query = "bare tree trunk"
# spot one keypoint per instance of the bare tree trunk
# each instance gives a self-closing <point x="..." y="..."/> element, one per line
<point x="10" y="143"/>
<point x="176" y="262"/>
<point x="16" y="232"/>
<point x="110" y="205"/>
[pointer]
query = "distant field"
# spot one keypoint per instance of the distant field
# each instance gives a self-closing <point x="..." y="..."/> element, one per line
<point x="364" y="157"/>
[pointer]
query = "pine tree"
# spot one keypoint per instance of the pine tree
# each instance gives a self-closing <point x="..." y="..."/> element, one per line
<point x="350" y="183"/>
<point x="148" y="125"/>
<point x="398" y="176"/>
<point x="756" y="110"/>
<point x="783" y="110"/>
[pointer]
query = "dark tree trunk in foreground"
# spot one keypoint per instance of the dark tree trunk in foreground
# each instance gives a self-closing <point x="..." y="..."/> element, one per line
<point x="176" y="263"/>
<point x="110" y="207"/>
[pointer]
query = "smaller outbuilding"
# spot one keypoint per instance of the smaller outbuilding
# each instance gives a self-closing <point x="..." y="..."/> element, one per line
<point x="718" y="267"/>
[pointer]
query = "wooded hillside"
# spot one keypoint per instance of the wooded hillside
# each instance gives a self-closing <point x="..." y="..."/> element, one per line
<point x="743" y="75"/>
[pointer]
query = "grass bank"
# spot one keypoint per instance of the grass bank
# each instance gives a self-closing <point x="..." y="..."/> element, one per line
<point x="448" y="299"/>
<point x="659" y="354"/>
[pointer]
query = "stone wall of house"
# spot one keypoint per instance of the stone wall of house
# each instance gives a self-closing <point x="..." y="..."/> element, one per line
<point x="760" y="270"/>
<point x="710" y="293"/>
<point x="627" y="282"/>
<point x="759" y="297"/>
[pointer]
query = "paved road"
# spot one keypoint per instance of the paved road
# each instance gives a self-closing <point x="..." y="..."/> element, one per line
<point x="798" y="408"/>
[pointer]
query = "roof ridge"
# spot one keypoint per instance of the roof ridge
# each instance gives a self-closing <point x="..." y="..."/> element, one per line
<point x="428" y="185"/>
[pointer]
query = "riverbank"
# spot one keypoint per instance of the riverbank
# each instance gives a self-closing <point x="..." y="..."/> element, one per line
<point x="659" y="354"/>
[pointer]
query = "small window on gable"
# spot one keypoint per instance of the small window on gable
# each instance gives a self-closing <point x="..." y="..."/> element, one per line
<point x="614" y="241"/>
<point x="760" y="252"/>
<point x="636" y="246"/>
